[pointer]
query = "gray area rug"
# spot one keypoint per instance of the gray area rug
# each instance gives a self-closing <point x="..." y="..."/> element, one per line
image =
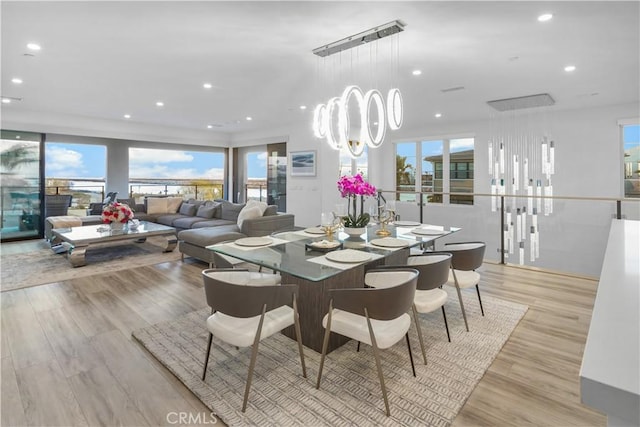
<point x="21" y="270"/>
<point x="350" y="391"/>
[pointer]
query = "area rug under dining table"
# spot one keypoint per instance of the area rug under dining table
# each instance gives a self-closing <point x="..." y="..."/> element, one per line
<point x="350" y="391"/>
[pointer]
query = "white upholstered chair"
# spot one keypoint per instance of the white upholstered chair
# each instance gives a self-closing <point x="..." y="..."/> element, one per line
<point x="374" y="316"/>
<point x="244" y="312"/>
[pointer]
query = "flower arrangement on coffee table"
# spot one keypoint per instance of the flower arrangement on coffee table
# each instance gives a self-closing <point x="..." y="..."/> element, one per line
<point x="116" y="212"/>
<point x="354" y="188"/>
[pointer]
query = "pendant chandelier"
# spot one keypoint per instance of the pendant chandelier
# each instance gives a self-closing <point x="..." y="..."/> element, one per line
<point x="356" y="118"/>
<point x="521" y="161"/>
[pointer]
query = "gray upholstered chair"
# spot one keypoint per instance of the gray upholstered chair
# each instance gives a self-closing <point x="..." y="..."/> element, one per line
<point x="467" y="257"/>
<point x="434" y="270"/>
<point x="56" y="204"/>
<point x="244" y="312"/>
<point x="374" y="316"/>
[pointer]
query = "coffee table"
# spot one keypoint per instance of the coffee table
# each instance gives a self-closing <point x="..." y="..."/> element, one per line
<point x="80" y="238"/>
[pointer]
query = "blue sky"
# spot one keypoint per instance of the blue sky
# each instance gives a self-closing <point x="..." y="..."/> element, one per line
<point x="631" y="136"/>
<point x="89" y="161"/>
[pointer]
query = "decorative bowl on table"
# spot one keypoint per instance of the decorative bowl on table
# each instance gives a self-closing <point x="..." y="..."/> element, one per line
<point x="323" y="246"/>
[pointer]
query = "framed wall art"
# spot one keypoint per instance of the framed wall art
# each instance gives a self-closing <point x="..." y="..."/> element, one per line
<point x="303" y="163"/>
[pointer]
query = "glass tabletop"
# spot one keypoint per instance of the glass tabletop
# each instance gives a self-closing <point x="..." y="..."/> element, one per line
<point x="103" y="233"/>
<point x="291" y="254"/>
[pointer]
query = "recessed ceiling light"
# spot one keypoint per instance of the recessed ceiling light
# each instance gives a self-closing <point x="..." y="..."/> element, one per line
<point x="18" y="137"/>
<point x="209" y="126"/>
<point x="34" y="46"/>
<point x="16" y="80"/>
<point x="207" y="85"/>
<point x="570" y="68"/>
<point x="438" y="115"/>
<point x="545" y="17"/>
<point x="416" y="72"/>
<point x="127" y="116"/>
<point x="303" y="107"/>
<point x="159" y="104"/>
<point x="6" y="101"/>
<point x="249" y="118"/>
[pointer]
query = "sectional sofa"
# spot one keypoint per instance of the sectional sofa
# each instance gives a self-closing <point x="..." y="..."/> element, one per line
<point x="203" y="223"/>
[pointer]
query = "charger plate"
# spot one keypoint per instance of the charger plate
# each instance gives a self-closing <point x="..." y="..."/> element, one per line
<point x="390" y="242"/>
<point x="406" y="223"/>
<point x="314" y="230"/>
<point x="428" y="231"/>
<point x="254" y="241"/>
<point x="348" y="256"/>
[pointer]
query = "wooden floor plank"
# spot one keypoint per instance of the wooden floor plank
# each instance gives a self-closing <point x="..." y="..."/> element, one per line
<point x="47" y="397"/>
<point x="117" y="311"/>
<point x="12" y="411"/>
<point x="25" y="338"/>
<point x="72" y="348"/>
<point x="151" y="393"/>
<point x="103" y="401"/>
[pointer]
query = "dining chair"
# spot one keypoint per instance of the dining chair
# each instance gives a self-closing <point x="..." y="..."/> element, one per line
<point x="244" y="312"/>
<point x="223" y="261"/>
<point x="467" y="257"/>
<point x="374" y="316"/>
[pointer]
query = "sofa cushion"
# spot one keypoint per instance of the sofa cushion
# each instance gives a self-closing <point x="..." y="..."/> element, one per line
<point x="208" y="211"/>
<point x="188" y="209"/>
<point x="173" y="204"/>
<point x="214" y="222"/>
<point x="249" y="212"/>
<point x="208" y="236"/>
<point x="271" y="210"/>
<point x="186" y="222"/>
<point x="230" y="211"/>
<point x="167" y="219"/>
<point x="156" y="205"/>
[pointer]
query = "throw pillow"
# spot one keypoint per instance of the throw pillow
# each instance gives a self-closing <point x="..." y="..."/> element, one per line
<point x="271" y="210"/>
<point x="187" y="209"/>
<point x="173" y="204"/>
<point x="261" y="205"/>
<point x="156" y="205"/>
<point x="230" y="211"/>
<point x="248" y="212"/>
<point x="207" y="211"/>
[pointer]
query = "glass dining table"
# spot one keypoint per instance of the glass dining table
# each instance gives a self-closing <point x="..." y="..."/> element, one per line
<point x="301" y="257"/>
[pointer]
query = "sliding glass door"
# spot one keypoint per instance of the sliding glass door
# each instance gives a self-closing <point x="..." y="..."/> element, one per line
<point x="21" y="206"/>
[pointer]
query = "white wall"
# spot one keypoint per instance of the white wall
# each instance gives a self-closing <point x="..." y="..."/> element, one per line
<point x="588" y="164"/>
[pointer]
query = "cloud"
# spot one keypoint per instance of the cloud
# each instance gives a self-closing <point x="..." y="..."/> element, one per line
<point x="162" y="171"/>
<point x="461" y="144"/>
<point x="60" y="159"/>
<point x="148" y="155"/>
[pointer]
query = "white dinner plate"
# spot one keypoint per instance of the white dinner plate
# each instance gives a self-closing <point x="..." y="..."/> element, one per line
<point x="325" y="244"/>
<point x="406" y="223"/>
<point x="390" y="242"/>
<point x="428" y="232"/>
<point x="314" y="230"/>
<point x="254" y="241"/>
<point x="348" y="256"/>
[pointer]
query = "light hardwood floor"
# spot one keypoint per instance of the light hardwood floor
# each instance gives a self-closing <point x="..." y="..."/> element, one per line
<point x="68" y="357"/>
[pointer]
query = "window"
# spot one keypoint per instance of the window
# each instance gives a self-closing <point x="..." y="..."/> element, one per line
<point x="197" y="174"/>
<point x="446" y="166"/>
<point x="351" y="166"/>
<point x="631" y="141"/>
<point x="256" y="182"/>
<point x="76" y="169"/>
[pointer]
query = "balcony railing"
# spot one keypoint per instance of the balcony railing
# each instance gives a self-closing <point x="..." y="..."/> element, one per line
<point x="571" y="237"/>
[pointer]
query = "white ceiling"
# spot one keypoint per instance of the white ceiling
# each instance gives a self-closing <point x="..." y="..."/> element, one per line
<point x="105" y="59"/>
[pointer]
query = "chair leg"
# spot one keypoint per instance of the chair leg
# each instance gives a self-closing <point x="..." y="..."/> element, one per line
<point x="446" y="325"/>
<point x="358" y="347"/>
<point x="376" y="356"/>
<point x="206" y="361"/>
<point x="419" y="330"/>
<point x="325" y="345"/>
<point x="464" y="314"/>
<point x="252" y="364"/>
<point x="413" y="367"/>
<point x="299" y="338"/>
<point x="480" y="300"/>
